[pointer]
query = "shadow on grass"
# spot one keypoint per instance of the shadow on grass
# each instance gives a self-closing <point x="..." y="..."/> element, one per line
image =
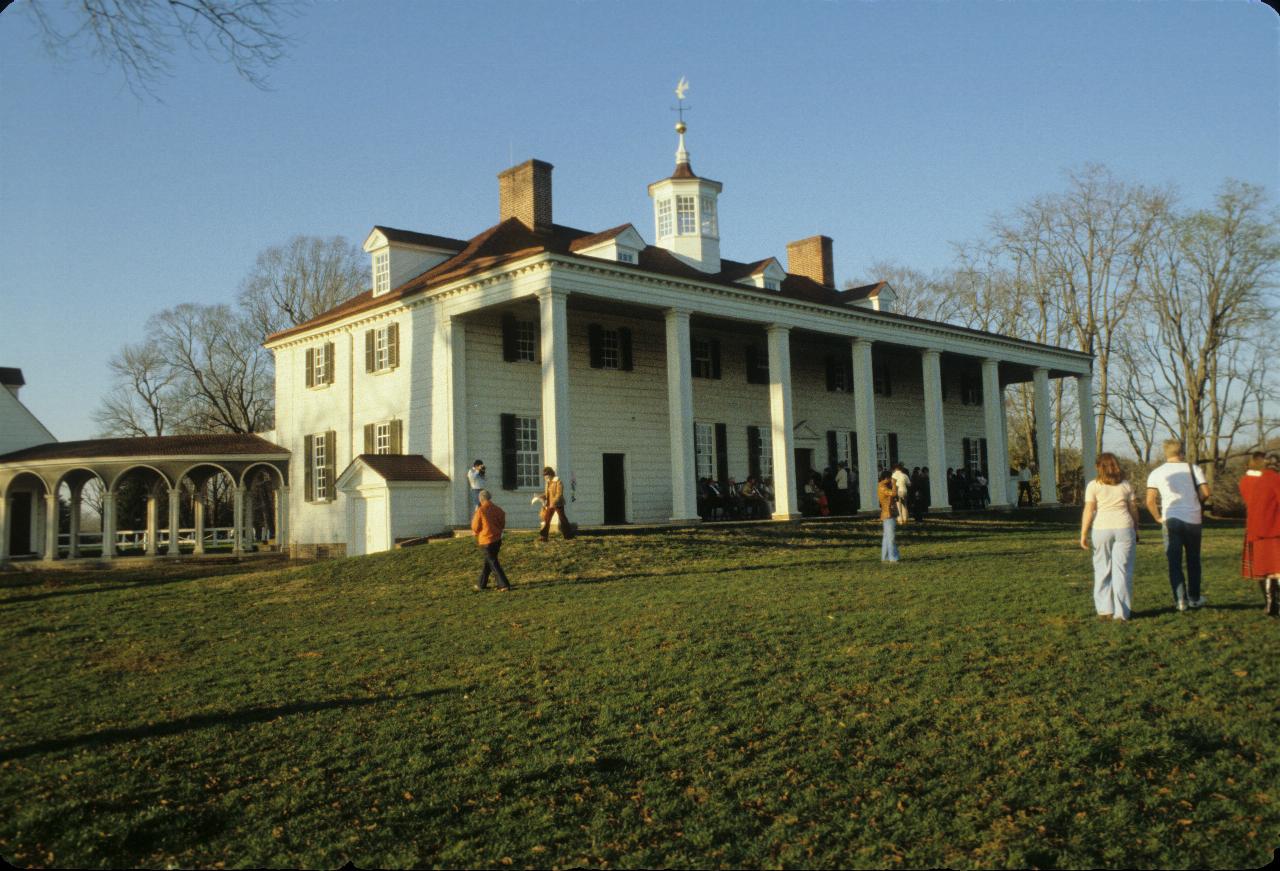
<point x="243" y="717"/>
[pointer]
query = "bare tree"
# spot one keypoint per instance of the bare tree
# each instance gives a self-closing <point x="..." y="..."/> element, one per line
<point x="140" y="36"/>
<point x="144" y="399"/>
<point x="294" y="282"/>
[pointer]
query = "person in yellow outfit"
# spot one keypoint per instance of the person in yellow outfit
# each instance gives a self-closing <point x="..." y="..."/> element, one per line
<point x="488" y="523"/>
<point x="553" y="504"/>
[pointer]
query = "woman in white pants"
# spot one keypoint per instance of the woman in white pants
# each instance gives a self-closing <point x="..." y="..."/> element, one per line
<point x="1111" y="509"/>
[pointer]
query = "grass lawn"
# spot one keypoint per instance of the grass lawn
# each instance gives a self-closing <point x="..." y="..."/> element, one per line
<point x="768" y="695"/>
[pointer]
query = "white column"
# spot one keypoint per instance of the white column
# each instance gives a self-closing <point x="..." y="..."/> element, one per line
<point x="935" y="432"/>
<point x="73" y="527"/>
<point x="197" y="509"/>
<point x="555" y="381"/>
<point x="785" y="505"/>
<point x="864" y="406"/>
<point x="153" y="522"/>
<point x="684" y="469"/>
<point x="1044" y="440"/>
<point x="1088" y="431"/>
<point x="51" y="527"/>
<point x="282" y="520"/>
<point x="459" y="459"/>
<point x="4" y="528"/>
<point x="174" y="505"/>
<point x="997" y="452"/>
<point x="108" y="524"/>
<point x="237" y="512"/>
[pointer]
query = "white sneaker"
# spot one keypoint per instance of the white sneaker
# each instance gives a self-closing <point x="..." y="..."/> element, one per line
<point x="1182" y="604"/>
<point x="1198" y="603"/>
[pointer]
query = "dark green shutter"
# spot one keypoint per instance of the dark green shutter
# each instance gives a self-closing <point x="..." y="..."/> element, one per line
<point x="311" y="367"/>
<point x="831" y="374"/>
<point x="753" y="451"/>
<point x="595" y="338"/>
<point x="509" y="330"/>
<point x="509" y="452"/>
<point x="715" y="358"/>
<point x="397" y="437"/>
<point x="853" y="449"/>
<point x="393" y="345"/>
<point x="833" y="456"/>
<point x="369" y="343"/>
<point x="722" y="451"/>
<point x="982" y="454"/>
<point x="848" y="373"/>
<point x="370" y="438"/>
<point x="893" y="448"/>
<point x="624" y="348"/>
<point x="331" y="464"/>
<point x="328" y="363"/>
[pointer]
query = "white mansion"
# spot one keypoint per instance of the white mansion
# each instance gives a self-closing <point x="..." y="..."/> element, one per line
<point x="634" y="369"/>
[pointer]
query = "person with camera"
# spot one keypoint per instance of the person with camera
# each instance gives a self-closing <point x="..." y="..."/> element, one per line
<point x="476" y="478"/>
<point x="1176" y="492"/>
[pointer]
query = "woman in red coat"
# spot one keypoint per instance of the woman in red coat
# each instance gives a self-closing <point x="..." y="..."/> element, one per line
<point x="1260" y="489"/>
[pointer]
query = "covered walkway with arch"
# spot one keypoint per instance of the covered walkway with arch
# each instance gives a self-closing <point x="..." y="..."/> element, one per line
<point x="33" y="516"/>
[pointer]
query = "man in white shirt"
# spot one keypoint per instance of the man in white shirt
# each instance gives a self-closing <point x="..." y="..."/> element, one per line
<point x="1174" y="492"/>
<point x="476" y="478"/>
<point x="901" y="480"/>
<point x="842" y="489"/>
<point x="1024" y="485"/>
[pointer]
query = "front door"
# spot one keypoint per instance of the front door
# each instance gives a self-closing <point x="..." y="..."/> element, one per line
<point x="615" y="489"/>
<point x="804" y="465"/>
<point x="20" y="524"/>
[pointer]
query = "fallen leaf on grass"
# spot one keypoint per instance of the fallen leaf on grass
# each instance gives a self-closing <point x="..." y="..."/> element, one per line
<point x="1240" y="673"/>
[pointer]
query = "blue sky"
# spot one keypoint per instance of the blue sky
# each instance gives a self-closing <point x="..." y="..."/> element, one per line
<point x="896" y="128"/>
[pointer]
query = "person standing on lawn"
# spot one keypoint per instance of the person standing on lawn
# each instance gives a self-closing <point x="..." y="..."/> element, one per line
<point x="1260" y="490"/>
<point x="1111" y="509"/>
<point x="887" y="493"/>
<point x="488" y="523"/>
<point x="476" y="478"/>
<point x="901" y="482"/>
<point x="552" y="505"/>
<point x="1175" y="492"/>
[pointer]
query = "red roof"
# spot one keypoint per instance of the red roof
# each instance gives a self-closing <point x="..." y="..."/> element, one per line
<point x="867" y="290"/>
<point x="403" y="467"/>
<point x="428" y="240"/>
<point x="154" y="446"/>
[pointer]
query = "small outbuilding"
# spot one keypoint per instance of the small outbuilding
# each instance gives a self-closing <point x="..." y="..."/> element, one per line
<point x="392" y="497"/>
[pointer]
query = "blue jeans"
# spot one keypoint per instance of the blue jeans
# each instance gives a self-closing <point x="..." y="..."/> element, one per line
<point x="1179" y="536"/>
<point x="1113" y="553"/>
<point x="889" y="544"/>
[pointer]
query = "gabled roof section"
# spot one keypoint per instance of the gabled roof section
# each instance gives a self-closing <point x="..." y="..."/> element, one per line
<point x="626" y="234"/>
<point x="400" y="467"/>
<point x="866" y="291"/>
<point x="422" y="240"/>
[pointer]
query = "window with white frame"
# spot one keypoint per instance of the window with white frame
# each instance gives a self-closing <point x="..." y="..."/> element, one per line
<point x="686" y="216"/>
<point x="765" y="446"/>
<point x="381" y="272"/>
<point x="973" y="461"/>
<point x="319" y="469"/>
<point x="702" y="363"/>
<point x="709" y="217"/>
<point x="526" y="341"/>
<point x="664" y="217"/>
<point x="625" y="256"/>
<point x="320" y="364"/>
<point x="842" y="446"/>
<point x="382" y="437"/>
<point x="381" y="350"/>
<point x="772" y="284"/>
<point x="610" y="349"/>
<point x="704" y="441"/>
<point x="528" y="458"/>
<point x="882" y="451"/>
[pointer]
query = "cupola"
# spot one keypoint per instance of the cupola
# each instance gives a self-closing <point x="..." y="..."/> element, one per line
<point x="685" y="212"/>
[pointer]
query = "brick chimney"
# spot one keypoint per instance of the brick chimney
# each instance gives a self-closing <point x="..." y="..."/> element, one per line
<point x="812" y="258"/>
<point x="524" y="192"/>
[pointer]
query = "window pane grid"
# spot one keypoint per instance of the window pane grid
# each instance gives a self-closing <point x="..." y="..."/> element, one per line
<point x="704" y="450"/>
<point x="320" y="365"/>
<point x="381" y="272"/>
<point x="709" y="217"/>
<point x="686" y="218"/>
<point x="382" y="438"/>
<point x="381" y="359"/>
<point x="766" y="452"/>
<point x="610" y="349"/>
<point x="664" y="217"/>
<point x="320" y="468"/>
<point x="701" y="358"/>
<point x="528" y="474"/>
<point x="882" y="451"/>
<point x="526" y="341"/>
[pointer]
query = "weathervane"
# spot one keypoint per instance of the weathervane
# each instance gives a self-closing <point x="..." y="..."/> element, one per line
<point x="682" y="88"/>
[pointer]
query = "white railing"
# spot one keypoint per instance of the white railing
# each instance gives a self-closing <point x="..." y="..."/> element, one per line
<point x="214" y="536"/>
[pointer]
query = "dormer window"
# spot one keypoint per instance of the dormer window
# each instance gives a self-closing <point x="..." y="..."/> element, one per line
<point x="709" y="217"/>
<point x="772" y="284"/>
<point x="686" y="216"/>
<point x="664" y="218"/>
<point x="381" y="272"/>
<point x="626" y="256"/>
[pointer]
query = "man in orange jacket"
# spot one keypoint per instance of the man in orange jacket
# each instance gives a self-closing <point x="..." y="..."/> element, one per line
<point x="487" y="523"/>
